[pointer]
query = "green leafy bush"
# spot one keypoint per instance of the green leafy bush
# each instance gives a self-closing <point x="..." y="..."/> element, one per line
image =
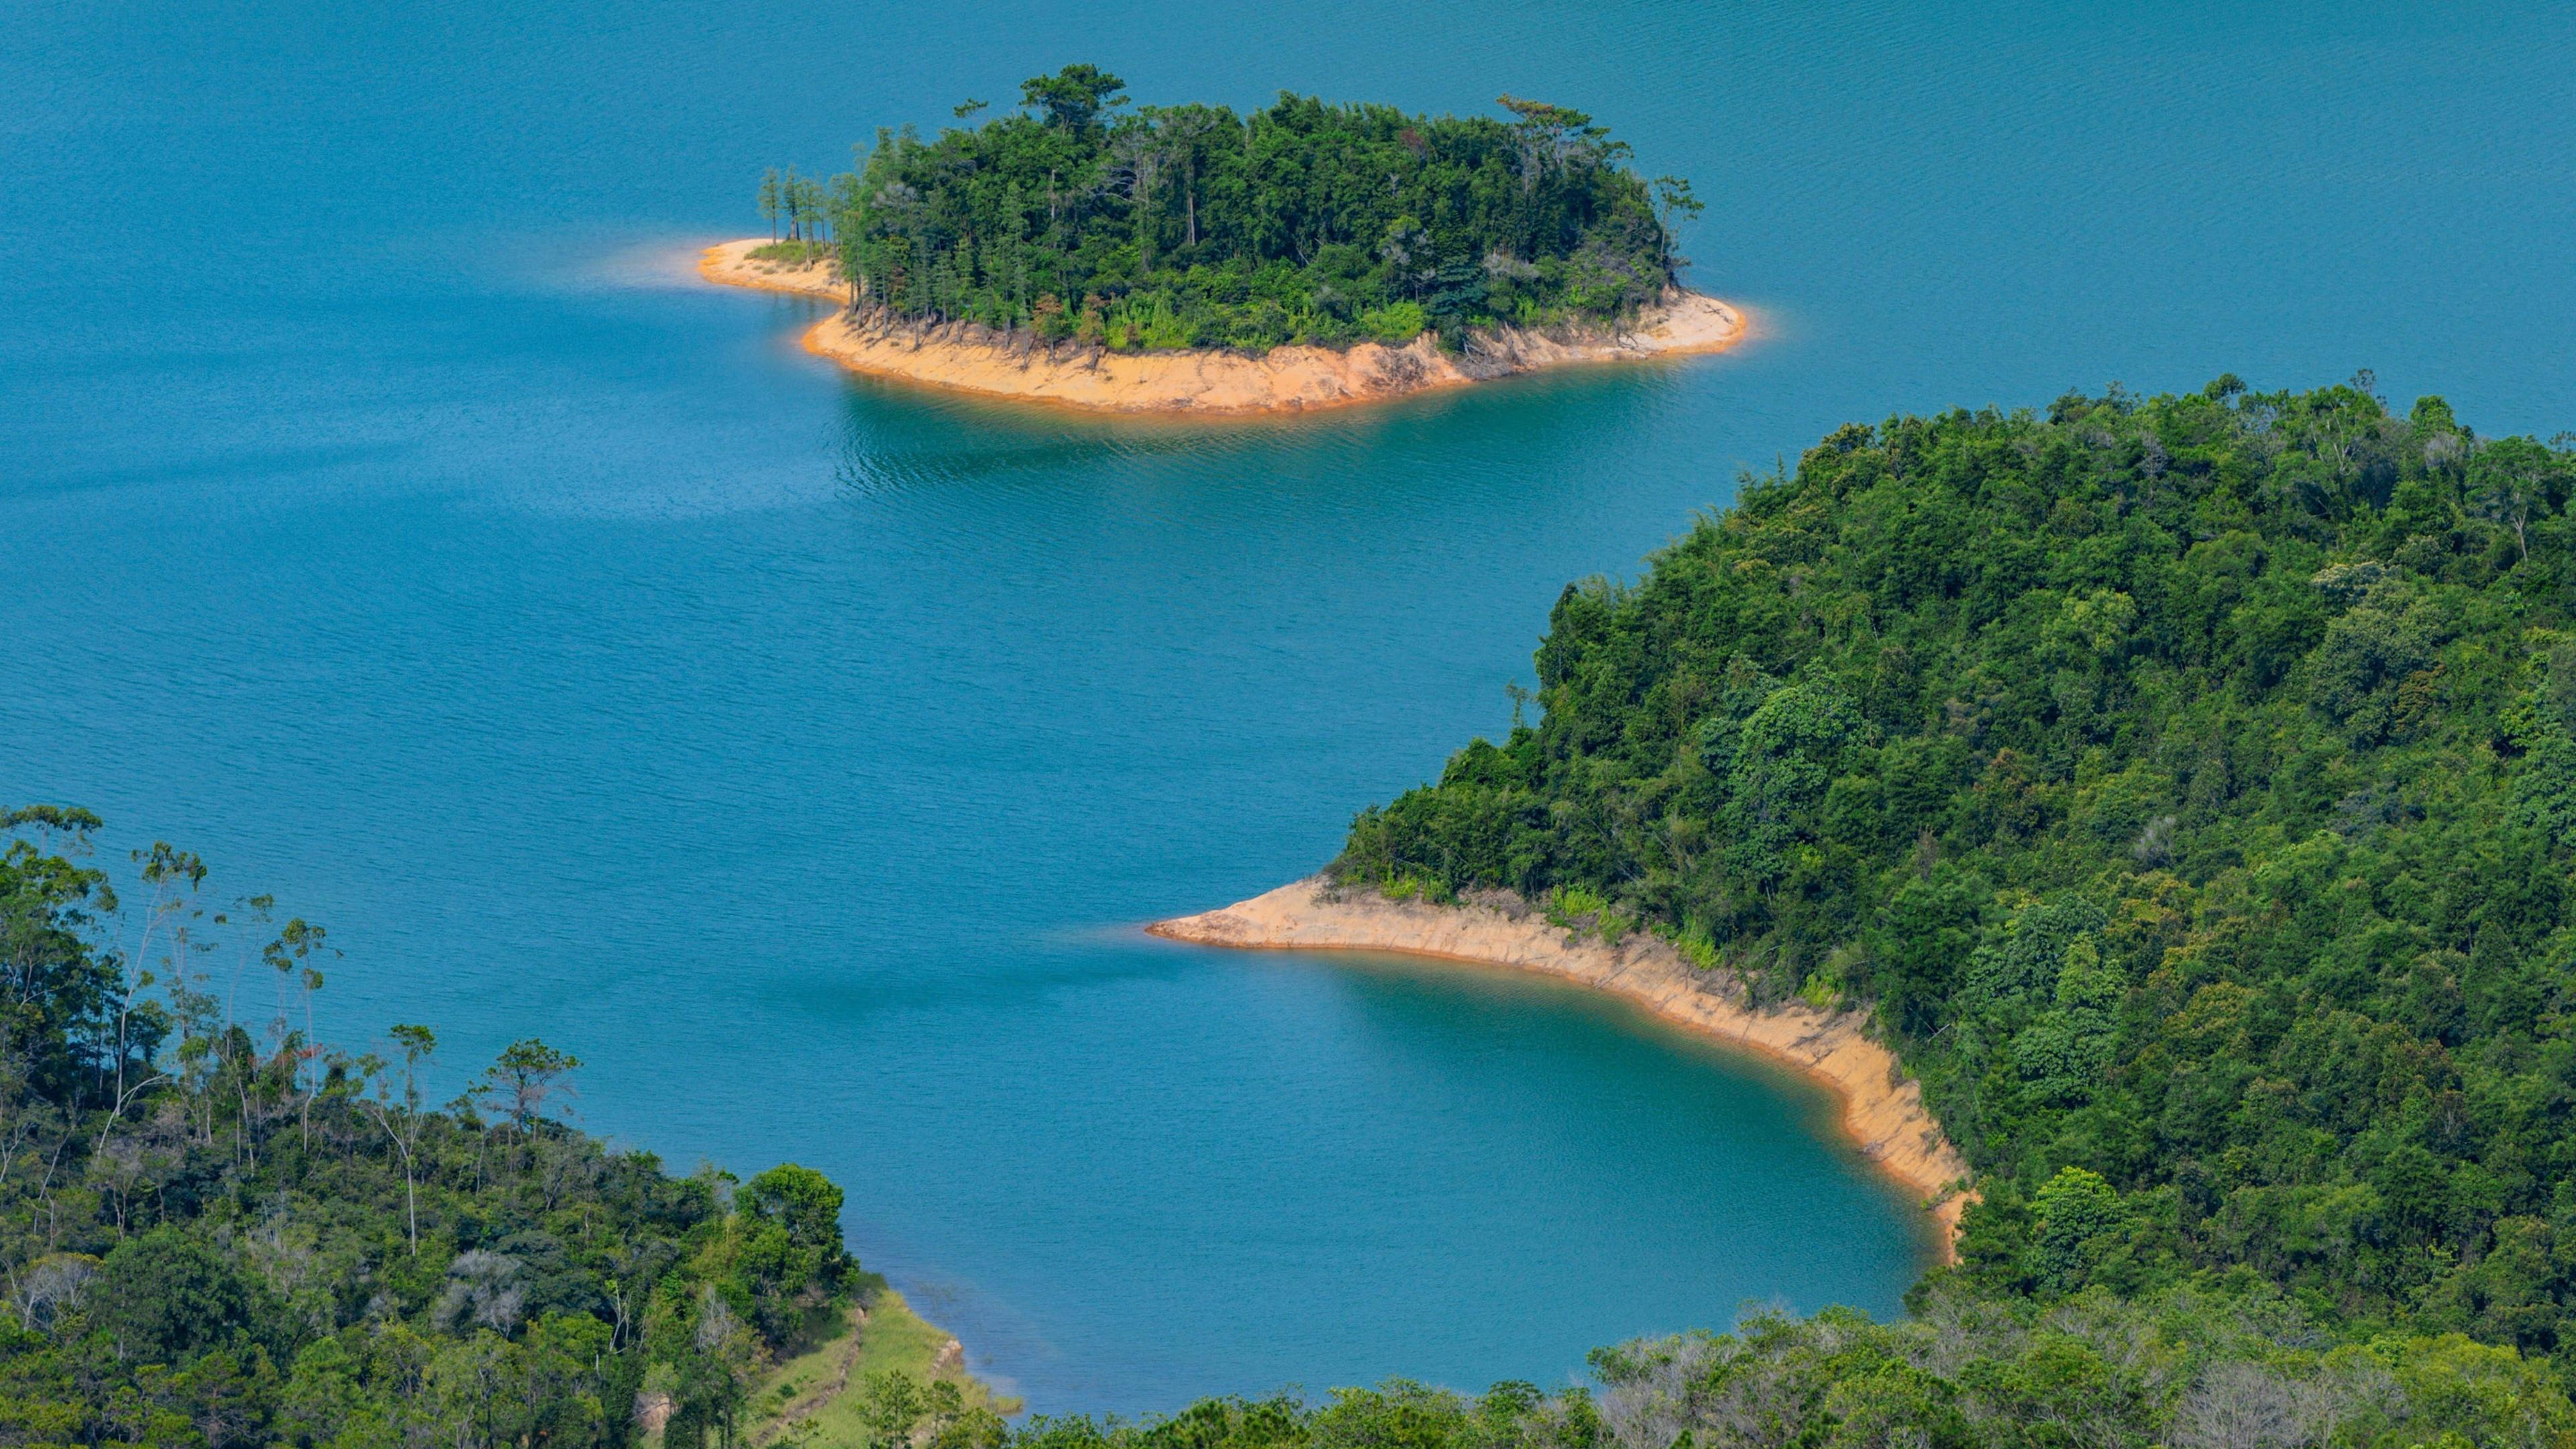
<point x="1396" y="322"/>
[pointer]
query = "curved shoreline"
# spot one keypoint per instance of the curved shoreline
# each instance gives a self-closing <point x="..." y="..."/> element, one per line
<point x="1882" y="1108"/>
<point x="969" y="357"/>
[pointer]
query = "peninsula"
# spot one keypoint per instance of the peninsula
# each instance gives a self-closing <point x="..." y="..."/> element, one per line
<point x="1187" y="258"/>
<point x="2181" y="789"/>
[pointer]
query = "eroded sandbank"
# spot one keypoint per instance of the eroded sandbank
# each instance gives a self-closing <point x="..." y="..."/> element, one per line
<point x="972" y="358"/>
<point x="1882" y="1108"/>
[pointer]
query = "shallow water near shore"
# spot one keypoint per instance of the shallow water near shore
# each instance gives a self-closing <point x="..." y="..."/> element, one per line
<point x="390" y="514"/>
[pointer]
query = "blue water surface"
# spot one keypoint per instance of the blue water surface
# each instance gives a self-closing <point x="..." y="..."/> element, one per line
<point x="386" y="512"/>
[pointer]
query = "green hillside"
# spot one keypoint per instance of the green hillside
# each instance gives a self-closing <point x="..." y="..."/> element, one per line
<point x="2187" y="786"/>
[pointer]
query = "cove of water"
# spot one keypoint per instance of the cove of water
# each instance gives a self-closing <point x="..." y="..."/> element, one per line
<point x="386" y="513"/>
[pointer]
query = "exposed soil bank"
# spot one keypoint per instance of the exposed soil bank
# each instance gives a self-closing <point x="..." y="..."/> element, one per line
<point x="1882" y="1108"/>
<point x="974" y="358"/>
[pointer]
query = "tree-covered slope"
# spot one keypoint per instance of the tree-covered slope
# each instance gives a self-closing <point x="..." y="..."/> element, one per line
<point x="2189" y="784"/>
<point x="215" y="1232"/>
<point x="1193" y="226"/>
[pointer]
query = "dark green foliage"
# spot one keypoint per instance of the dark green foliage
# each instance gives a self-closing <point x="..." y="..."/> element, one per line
<point x="1191" y="226"/>
<point x="804" y="1208"/>
<point x="164" y="1297"/>
<point x="2188" y="783"/>
<point x="213" y="1234"/>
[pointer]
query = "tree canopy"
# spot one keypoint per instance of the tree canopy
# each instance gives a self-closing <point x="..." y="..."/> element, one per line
<point x="1192" y="226"/>
<point x="2187" y="784"/>
<point x="216" y="1231"/>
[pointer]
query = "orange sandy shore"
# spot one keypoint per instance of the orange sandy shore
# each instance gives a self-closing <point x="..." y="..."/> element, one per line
<point x="1882" y="1108"/>
<point x="971" y="358"/>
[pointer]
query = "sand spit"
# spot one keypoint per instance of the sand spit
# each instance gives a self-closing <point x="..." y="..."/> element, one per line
<point x="973" y="358"/>
<point x="732" y="264"/>
<point x="1883" y="1109"/>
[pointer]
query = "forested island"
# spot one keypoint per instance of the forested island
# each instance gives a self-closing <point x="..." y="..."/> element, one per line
<point x="1383" y="251"/>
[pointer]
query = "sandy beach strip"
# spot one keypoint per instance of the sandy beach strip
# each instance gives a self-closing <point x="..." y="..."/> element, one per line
<point x="733" y="265"/>
<point x="1882" y="1108"/>
<point x="969" y="357"/>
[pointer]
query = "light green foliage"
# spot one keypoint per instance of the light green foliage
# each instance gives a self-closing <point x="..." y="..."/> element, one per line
<point x="1571" y="903"/>
<point x="891" y="1407"/>
<point x="794" y="253"/>
<point x="1395" y="322"/>
<point x="2178" y="1369"/>
<point x="823" y="1396"/>
<point x="1695" y="947"/>
<point x="2182" y="1369"/>
<point x="1160" y="227"/>
<point x="1579" y="911"/>
<point x="2187" y="784"/>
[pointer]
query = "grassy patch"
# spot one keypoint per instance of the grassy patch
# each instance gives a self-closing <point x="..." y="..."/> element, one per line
<point x="819" y="1388"/>
<point x="1580" y="911"/>
<point x="795" y="254"/>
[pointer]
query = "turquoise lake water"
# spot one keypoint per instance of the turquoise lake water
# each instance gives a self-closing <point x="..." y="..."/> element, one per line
<point x="385" y="512"/>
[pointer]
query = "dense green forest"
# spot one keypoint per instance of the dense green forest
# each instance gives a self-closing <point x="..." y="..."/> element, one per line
<point x="217" y="1232"/>
<point x="1191" y="226"/>
<point x="2187" y="784"/>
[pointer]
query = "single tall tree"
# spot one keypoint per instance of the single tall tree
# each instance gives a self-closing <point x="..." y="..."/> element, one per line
<point x="526" y="1075"/>
<point x="173" y="875"/>
<point x="402" y="1120"/>
<point x="1673" y="200"/>
<point x="1073" y="98"/>
<point x="293" y="953"/>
